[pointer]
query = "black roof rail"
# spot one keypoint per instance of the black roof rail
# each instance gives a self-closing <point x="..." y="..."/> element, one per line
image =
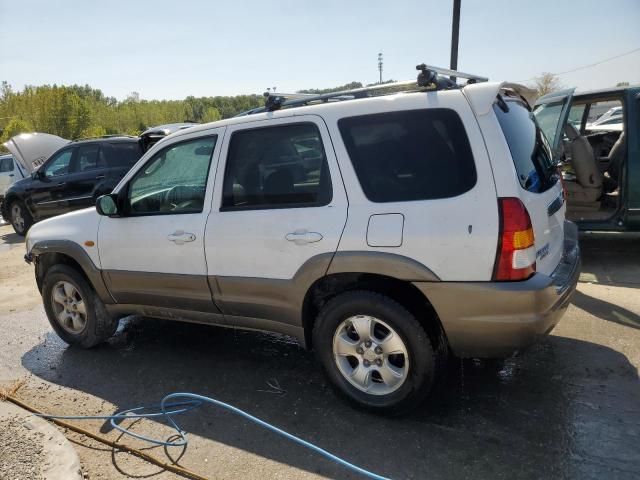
<point x="97" y="137"/>
<point x="429" y="78"/>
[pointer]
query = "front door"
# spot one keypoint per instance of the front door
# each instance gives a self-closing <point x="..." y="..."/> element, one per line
<point x="279" y="209"/>
<point x="87" y="171"/>
<point x="153" y="254"/>
<point x="49" y="187"/>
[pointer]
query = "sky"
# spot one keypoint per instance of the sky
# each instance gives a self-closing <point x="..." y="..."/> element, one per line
<point x="171" y="49"/>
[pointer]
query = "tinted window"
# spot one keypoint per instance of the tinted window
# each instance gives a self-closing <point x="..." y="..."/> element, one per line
<point x="88" y="158"/>
<point x="529" y="148"/>
<point x="282" y="166"/>
<point x="59" y="165"/>
<point x="120" y="155"/>
<point x="174" y="180"/>
<point x="410" y="155"/>
<point x="6" y="164"/>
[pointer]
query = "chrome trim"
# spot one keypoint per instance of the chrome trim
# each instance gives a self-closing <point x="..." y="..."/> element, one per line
<point x="65" y="200"/>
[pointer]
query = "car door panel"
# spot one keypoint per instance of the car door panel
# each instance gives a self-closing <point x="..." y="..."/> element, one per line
<point x="48" y="189"/>
<point x="158" y="259"/>
<point x="264" y="259"/>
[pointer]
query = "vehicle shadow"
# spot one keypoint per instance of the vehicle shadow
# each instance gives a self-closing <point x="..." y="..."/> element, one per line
<point x="11" y="238"/>
<point x="564" y="409"/>
<point x="606" y="310"/>
<point x="611" y="258"/>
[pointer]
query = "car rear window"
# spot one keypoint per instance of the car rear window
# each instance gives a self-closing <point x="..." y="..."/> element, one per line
<point x="121" y="154"/>
<point x="527" y="143"/>
<point x="410" y="155"/>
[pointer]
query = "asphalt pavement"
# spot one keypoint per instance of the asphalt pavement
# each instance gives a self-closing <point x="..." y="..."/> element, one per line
<point x="567" y="408"/>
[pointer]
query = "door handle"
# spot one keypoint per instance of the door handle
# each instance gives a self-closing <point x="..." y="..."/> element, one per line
<point x="61" y="184"/>
<point x="179" y="237"/>
<point x="302" y="237"/>
<point x="11" y="175"/>
<point x="100" y="177"/>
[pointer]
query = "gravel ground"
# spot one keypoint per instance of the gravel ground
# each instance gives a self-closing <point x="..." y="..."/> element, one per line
<point x="20" y="449"/>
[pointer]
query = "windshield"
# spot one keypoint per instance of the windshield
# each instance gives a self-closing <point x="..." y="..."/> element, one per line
<point x="528" y="145"/>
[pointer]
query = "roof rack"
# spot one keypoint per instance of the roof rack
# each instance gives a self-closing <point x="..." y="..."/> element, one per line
<point x="430" y="78"/>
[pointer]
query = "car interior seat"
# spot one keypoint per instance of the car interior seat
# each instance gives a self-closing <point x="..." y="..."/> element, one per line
<point x="586" y="189"/>
<point x="616" y="158"/>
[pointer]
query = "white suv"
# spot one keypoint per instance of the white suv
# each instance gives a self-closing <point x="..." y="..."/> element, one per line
<point x="385" y="232"/>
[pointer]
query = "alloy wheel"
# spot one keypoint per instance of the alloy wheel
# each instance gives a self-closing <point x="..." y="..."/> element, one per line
<point x="370" y="355"/>
<point x="17" y="218"/>
<point x="69" y="307"/>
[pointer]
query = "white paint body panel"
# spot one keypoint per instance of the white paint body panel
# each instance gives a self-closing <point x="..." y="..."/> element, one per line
<point x="140" y="243"/>
<point x="436" y="232"/>
<point x="252" y="243"/>
<point x="9" y="178"/>
<point x="548" y="231"/>
<point x="78" y="226"/>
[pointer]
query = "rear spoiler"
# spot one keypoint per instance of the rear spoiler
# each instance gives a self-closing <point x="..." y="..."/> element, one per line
<point x="482" y="95"/>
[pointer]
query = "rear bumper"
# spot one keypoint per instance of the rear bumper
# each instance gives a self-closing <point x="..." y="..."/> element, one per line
<point x="498" y="319"/>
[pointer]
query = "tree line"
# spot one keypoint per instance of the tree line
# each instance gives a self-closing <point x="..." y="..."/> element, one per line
<point x="82" y="111"/>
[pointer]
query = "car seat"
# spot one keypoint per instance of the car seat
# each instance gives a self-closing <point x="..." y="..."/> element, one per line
<point x="586" y="189"/>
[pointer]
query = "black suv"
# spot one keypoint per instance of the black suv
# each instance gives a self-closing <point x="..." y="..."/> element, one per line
<point x="72" y="178"/>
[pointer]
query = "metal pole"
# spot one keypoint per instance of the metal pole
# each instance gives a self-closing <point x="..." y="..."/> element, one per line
<point x="455" y="34"/>
<point x="380" y="66"/>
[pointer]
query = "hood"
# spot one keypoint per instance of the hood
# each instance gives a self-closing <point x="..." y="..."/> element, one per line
<point x="154" y="134"/>
<point x="30" y="150"/>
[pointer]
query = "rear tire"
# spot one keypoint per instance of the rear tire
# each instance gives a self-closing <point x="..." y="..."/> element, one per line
<point x="20" y="218"/>
<point x="73" y="308"/>
<point x="354" y="337"/>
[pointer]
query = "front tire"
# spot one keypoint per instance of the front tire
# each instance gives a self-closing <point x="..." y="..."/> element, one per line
<point x="73" y="308"/>
<point x="374" y="352"/>
<point x="20" y="218"/>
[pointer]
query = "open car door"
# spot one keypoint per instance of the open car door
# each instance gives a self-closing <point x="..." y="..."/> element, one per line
<point x="552" y="112"/>
<point x="30" y="150"/>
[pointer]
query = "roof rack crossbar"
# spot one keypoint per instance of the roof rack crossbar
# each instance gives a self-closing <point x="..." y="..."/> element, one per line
<point x="428" y="76"/>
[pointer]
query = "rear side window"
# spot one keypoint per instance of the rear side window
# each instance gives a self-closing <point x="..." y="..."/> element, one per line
<point x="6" y="164"/>
<point x="410" y="155"/>
<point x="88" y="158"/>
<point x="120" y="155"/>
<point x="528" y="144"/>
<point x="276" y="167"/>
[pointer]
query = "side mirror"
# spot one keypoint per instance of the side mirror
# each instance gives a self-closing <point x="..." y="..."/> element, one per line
<point x="36" y="174"/>
<point x="107" y="205"/>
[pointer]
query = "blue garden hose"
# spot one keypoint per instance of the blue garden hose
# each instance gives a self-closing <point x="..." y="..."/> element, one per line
<point x="169" y="407"/>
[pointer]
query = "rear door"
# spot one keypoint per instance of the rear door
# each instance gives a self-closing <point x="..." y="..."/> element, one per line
<point x="552" y="113"/>
<point x="87" y="171"/>
<point x="541" y="188"/>
<point x="279" y="202"/>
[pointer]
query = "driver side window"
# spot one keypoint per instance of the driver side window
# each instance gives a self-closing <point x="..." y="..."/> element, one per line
<point x="59" y="165"/>
<point x="174" y="180"/>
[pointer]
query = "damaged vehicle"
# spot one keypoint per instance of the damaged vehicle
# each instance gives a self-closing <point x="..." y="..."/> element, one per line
<point x="595" y="139"/>
<point x="64" y="175"/>
<point x="354" y="221"/>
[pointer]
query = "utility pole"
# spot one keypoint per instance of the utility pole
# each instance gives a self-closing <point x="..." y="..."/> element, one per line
<point x="380" y="66"/>
<point x="455" y="34"/>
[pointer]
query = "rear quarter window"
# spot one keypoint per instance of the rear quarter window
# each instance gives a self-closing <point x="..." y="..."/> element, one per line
<point x="410" y="155"/>
<point x="527" y="143"/>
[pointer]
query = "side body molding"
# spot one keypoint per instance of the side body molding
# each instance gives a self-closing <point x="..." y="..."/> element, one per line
<point x="281" y="300"/>
<point x="77" y="253"/>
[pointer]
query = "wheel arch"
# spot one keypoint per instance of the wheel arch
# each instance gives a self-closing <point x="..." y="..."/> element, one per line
<point x="49" y="253"/>
<point x="402" y="291"/>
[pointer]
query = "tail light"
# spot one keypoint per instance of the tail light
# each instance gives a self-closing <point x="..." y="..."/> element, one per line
<point x="516" y="255"/>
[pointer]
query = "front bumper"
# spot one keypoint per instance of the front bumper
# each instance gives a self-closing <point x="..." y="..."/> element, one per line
<point x="498" y="319"/>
